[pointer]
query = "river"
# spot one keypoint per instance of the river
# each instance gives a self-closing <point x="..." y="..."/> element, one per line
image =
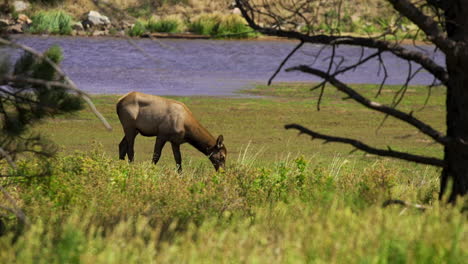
<point x="203" y="67"/>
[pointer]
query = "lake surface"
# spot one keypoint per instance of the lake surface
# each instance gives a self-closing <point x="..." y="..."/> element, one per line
<point x="203" y="67"/>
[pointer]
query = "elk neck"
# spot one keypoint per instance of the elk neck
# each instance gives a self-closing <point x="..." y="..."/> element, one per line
<point x="197" y="136"/>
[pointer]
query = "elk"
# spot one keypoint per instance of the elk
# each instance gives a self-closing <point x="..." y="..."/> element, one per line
<point x="168" y="120"/>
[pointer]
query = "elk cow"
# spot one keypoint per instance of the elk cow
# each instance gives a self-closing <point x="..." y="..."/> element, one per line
<point x="168" y="120"/>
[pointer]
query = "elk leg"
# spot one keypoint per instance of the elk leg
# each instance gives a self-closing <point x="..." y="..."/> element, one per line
<point x="177" y="156"/>
<point x="130" y="138"/>
<point x="123" y="148"/>
<point x="160" y="142"/>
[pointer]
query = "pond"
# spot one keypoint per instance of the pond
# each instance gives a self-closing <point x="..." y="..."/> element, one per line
<point x="204" y="67"/>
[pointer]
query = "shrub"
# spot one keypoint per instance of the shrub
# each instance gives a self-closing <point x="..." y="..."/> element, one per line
<point x="205" y="25"/>
<point x="168" y="25"/>
<point x="231" y="26"/>
<point x="137" y="30"/>
<point x="52" y="22"/>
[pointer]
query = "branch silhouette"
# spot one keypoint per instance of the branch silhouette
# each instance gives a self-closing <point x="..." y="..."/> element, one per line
<point x="360" y="145"/>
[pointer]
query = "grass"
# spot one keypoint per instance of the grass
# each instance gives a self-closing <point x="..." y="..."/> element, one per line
<point x="168" y="25"/>
<point x="230" y="26"/>
<point x="138" y="29"/>
<point x="260" y="121"/>
<point x="52" y="22"/>
<point x="283" y="198"/>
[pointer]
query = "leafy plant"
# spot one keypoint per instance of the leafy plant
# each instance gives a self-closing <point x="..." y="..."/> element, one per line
<point x="137" y="30"/>
<point x="168" y="25"/>
<point x="52" y="22"/>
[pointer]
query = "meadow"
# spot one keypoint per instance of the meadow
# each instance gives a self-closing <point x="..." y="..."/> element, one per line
<point x="283" y="198"/>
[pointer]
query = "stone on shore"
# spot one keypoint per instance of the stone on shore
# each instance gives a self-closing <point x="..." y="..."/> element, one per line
<point x="23" y="19"/>
<point x="15" y="29"/>
<point x="95" y="19"/>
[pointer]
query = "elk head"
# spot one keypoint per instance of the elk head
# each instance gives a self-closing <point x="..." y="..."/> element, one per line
<point x="218" y="153"/>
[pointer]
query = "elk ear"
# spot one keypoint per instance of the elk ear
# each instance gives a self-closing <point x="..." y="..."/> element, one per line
<point x="219" y="141"/>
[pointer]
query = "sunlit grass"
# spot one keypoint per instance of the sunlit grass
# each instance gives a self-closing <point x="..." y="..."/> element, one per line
<point x="168" y="25"/>
<point x="282" y="198"/>
<point x="52" y="22"/>
<point x="216" y="25"/>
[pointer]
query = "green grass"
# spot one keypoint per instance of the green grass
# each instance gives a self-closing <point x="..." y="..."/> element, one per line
<point x="52" y="22"/>
<point x="282" y="198"/>
<point x="138" y="29"/>
<point x="231" y="26"/>
<point x="164" y="25"/>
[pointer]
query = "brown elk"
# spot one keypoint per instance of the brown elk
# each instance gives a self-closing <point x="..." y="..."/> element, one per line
<point x="168" y="120"/>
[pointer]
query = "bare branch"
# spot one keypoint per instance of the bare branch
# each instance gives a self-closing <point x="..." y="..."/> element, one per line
<point x="22" y="220"/>
<point x="73" y="87"/>
<point x="421" y="126"/>
<point x="284" y="61"/>
<point x="359" y="145"/>
<point x="425" y="23"/>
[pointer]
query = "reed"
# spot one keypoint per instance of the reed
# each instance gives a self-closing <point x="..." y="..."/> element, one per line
<point x="166" y="25"/>
<point x="52" y="22"/>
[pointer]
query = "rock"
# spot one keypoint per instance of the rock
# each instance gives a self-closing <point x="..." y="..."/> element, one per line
<point x="78" y="26"/>
<point x="23" y="19"/>
<point x="20" y="6"/>
<point x="236" y="11"/>
<point x="15" y="29"/>
<point x="4" y="22"/>
<point x="93" y="18"/>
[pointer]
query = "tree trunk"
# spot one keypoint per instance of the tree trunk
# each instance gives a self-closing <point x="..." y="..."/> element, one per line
<point x="456" y="153"/>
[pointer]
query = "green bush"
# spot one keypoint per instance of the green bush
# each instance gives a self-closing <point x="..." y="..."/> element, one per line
<point x="138" y="29"/>
<point x="168" y="25"/>
<point x="231" y="26"/>
<point x="94" y="209"/>
<point x="205" y="25"/>
<point x="52" y="22"/>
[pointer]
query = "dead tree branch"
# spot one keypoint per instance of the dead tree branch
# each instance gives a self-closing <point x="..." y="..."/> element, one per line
<point x="284" y="61"/>
<point x="366" y="148"/>
<point x="408" y="118"/>
<point x="425" y="23"/>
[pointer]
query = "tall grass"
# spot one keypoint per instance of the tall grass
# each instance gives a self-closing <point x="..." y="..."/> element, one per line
<point x="138" y="29"/>
<point x="95" y="209"/>
<point x="52" y="22"/>
<point x="231" y="26"/>
<point x="167" y="25"/>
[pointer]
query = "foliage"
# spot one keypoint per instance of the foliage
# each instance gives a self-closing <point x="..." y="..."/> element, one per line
<point x="168" y="25"/>
<point x="220" y="26"/>
<point x="204" y="25"/>
<point x="137" y="30"/>
<point x="23" y="105"/>
<point x="96" y="209"/>
<point x="52" y="22"/>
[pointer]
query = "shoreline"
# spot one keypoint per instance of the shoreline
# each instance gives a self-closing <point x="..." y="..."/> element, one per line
<point x="188" y="36"/>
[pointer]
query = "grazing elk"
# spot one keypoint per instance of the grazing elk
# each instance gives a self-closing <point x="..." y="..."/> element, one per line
<point x="168" y="120"/>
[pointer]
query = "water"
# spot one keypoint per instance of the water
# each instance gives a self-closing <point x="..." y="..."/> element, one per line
<point x="203" y="67"/>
